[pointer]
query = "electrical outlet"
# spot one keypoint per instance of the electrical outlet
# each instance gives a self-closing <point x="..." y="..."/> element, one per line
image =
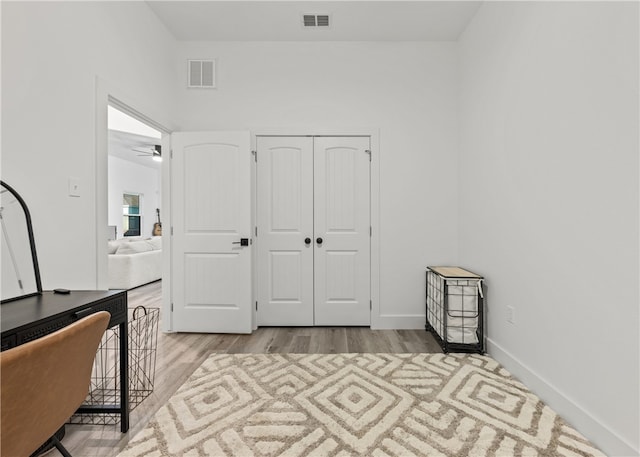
<point x="511" y="314"/>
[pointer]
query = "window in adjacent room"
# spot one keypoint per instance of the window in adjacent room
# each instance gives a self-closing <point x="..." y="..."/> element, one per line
<point x="131" y="214"/>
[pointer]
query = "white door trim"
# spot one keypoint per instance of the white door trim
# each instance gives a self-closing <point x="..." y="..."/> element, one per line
<point x="105" y="94"/>
<point x="373" y="133"/>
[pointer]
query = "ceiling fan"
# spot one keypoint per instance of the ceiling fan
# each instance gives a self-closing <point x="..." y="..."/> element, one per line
<point x="153" y="150"/>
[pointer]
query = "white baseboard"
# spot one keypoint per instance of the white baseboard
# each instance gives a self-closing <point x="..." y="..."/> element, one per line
<point x="397" y="322"/>
<point x="597" y="432"/>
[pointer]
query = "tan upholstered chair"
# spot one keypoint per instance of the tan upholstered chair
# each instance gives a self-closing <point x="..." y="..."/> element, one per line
<point x="43" y="382"/>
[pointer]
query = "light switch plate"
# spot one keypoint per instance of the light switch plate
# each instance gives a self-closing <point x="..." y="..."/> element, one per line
<point x="511" y="314"/>
<point x="74" y="187"/>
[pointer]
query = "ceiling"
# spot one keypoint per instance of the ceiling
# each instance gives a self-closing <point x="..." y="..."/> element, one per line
<point x="361" y="20"/>
<point x="125" y="144"/>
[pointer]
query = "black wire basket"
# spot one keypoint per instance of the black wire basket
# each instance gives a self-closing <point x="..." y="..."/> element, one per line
<point x="105" y="377"/>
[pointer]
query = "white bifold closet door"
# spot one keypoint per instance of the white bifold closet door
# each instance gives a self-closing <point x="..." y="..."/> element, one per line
<point x="313" y="219"/>
<point x="342" y="219"/>
<point x="284" y="206"/>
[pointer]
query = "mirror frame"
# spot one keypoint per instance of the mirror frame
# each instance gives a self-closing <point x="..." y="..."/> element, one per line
<point x="32" y="243"/>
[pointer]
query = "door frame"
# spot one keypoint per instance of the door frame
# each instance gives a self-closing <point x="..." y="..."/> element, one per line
<point x="374" y="196"/>
<point x="106" y="94"/>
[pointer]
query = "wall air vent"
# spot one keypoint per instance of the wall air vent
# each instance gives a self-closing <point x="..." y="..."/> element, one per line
<point x="315" y="20"/>
<point x="202" y="73"/>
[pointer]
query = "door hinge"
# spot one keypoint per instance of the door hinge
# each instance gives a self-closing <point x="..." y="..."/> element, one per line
<point x="256" y="306"/>
<point x="370" y="304"/>
<point x="255" y="155"/>
<point x="370" y="231"/>
<point x="172" y="307"/>
<point x="172" y="230"/>
<point x="368" y="151"/>
<point x="256" y="230"/>
<point x="171" y="153"/>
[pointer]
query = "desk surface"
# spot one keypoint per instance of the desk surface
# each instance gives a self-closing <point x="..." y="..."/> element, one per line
<point x="40" y="308"/>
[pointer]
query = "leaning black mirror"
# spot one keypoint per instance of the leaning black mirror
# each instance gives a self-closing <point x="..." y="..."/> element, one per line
<point x="20" y="271"/>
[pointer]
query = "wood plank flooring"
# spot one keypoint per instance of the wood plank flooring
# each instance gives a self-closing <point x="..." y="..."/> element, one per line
<point x="179" y="354"/>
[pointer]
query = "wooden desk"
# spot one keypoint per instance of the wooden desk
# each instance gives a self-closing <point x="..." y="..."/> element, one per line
<point x="29" y="318"/>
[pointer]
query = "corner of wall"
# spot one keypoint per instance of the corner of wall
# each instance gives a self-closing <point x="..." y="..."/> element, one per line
<point x="563" y="404"/>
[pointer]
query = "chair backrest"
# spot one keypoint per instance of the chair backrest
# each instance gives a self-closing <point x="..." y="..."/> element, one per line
<point x="43" y="382"/>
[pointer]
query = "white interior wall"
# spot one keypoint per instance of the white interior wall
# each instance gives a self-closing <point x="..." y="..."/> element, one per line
<point x="548" y="167"/>
<point x="52" y="53"/>
<point x="406" y="90"/>
<point x="549" y="202"/>
<point x="129" y="177"/>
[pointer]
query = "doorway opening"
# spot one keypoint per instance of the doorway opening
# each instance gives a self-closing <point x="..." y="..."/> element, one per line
<point x="134" y="189"/>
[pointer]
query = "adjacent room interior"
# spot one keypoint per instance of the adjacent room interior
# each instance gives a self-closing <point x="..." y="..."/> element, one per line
<point x="134" y="188"/>
<point x="501" y="137"/>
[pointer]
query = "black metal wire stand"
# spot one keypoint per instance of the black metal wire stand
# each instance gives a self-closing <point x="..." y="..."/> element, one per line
<point x="105" y="377"/>
<point x="455" y="312"/>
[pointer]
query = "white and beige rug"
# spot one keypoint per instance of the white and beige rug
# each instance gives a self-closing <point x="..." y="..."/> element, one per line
<point x="342" y="405"/>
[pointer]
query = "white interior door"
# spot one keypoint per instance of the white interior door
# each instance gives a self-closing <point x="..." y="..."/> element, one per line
<point x="342" y="229"/>
<point x="211" y="213"/>
<point x="313" y="216"/>
<point x="285" y="221"/>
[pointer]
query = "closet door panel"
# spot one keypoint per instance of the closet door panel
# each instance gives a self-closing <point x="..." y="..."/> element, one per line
<point x="285" y="219"/>
<point x="342" y="230"/>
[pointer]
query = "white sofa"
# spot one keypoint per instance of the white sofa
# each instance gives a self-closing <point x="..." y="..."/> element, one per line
<point x="134" y="261"/>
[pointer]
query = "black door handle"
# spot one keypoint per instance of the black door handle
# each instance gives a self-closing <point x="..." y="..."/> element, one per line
<point x="307" y="240"/>
<point x="319" y="240"/>
<point x="242" y="242"/>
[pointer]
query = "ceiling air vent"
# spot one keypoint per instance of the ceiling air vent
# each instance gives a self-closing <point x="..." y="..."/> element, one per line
<point x="315" y="20"/>
<point x="202" y="73"/>
<point x="322" y="20"/>
<point x="309" y="20"/>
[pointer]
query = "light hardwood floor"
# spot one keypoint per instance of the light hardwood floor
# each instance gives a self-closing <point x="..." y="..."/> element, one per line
<point x="179" y="354"/>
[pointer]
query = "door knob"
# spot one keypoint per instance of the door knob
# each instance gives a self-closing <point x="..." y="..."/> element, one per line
<point x="307" y="240"/>
<point x="319" y="240"/>
<point x="242" y="242"/>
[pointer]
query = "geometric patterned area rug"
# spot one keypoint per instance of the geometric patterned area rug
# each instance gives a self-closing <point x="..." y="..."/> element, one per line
<point x="341" y="405"/>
